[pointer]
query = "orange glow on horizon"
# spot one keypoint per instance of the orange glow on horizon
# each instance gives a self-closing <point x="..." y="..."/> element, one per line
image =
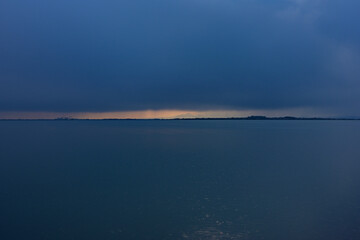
<point x="145" y="114"/>
<point x="161" y="114"/>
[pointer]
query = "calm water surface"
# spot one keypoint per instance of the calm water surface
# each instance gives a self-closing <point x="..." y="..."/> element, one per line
<point x="281" y="180"/>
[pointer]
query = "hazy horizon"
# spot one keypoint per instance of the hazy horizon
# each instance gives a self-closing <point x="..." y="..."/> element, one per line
<point x="167" y="114"/>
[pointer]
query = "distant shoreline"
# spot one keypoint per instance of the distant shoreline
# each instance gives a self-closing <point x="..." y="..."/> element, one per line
<point x="252" y="118"/>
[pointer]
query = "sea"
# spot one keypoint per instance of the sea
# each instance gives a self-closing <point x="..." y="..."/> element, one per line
<point x="180" y="179"/>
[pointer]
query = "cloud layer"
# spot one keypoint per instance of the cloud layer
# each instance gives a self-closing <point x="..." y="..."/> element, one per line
<point x="132" y="55"/>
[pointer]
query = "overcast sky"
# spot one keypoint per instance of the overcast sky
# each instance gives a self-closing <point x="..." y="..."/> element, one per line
<point x="200" y="55"/>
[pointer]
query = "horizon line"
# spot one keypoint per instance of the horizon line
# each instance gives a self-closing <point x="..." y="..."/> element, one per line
<point x="252" y="117"/>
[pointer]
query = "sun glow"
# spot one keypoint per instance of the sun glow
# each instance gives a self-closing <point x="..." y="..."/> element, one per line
<point x="160" y="114"/>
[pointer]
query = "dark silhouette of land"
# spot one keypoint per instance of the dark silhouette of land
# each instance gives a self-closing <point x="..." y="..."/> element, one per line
<point x="185" y="119"/>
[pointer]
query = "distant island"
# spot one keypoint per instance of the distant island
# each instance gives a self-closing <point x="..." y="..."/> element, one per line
<point x="186" y="119"/>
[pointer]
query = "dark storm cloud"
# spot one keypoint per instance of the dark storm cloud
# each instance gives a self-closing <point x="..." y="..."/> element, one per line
<point x="130" y="55"/>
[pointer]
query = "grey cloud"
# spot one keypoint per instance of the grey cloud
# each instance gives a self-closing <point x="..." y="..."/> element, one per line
<point x="132" y="55"/>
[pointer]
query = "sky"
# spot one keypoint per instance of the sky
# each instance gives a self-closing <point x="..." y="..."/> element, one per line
<point x="169" y="58"/>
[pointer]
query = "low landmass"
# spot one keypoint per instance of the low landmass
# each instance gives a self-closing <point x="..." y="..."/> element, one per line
<point x="187" y="119"/>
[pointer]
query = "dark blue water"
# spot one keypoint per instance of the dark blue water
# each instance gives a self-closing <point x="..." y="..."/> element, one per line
<point x="66" y="180"/>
